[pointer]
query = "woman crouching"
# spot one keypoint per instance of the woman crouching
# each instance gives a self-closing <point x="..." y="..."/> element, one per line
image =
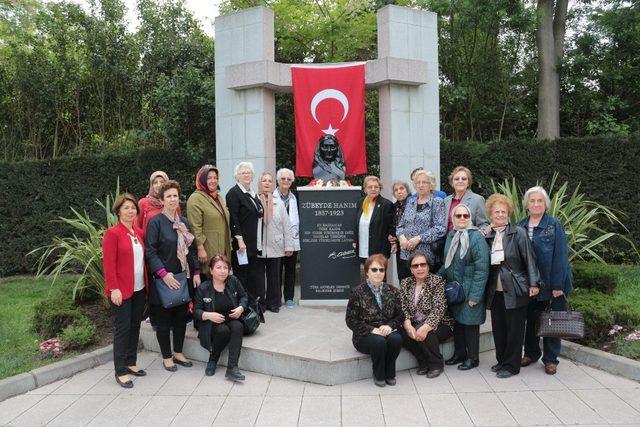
<point x="220" y="302"/>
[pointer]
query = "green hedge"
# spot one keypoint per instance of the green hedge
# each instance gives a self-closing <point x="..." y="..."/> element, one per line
<point x="588" y="275"/>
<point x="38" y="192"/>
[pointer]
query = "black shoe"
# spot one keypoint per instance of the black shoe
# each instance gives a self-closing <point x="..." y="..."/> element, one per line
<point x="171" y="368"/>
<point x="469" y="364"/>
<point x="379" y="383"/>
<point x="138" y="373"/>
<point x="186" y="364"/>
<point x="275" y="309"/>
<point x="496" y="367"/>
<point x="125" y="384"/>
<point x="422" y="371"/>
<point x="390" y="381"/>
<point x="234" y="374"/>
<point x="503" y="373"/>
<point x="211" y="368"/>
<point x="434" y="373"/>
<point x="454" y="360"/>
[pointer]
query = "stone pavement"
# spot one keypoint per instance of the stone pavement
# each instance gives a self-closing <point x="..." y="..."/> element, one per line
<point x="576" y="395"/>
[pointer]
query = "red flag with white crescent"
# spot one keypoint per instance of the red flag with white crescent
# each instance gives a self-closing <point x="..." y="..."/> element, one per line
<point x="329" y="107"/>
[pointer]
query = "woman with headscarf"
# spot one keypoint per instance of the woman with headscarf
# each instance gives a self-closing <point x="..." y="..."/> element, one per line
<point x="151" y="205"/>
<point x="277" y="239"/>
<point x="209" y="217"/>
<point x="466" y="262"/>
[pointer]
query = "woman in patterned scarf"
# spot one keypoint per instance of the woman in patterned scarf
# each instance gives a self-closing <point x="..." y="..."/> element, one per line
<point x="151" y="205"/>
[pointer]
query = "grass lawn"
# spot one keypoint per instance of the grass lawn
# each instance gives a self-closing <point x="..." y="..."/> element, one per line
<point x="18" y="344"/>
<point x="628" y="289"/>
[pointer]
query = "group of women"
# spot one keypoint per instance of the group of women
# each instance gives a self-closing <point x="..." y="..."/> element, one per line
<point x="154" y="249"/>
<point x="514" y="270"/>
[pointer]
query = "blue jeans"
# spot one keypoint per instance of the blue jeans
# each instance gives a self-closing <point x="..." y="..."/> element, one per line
<point x="551" y="346"/>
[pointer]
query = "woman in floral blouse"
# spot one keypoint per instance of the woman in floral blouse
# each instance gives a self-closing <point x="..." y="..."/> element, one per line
<point x="427" y="322"/>
<point x="374" y="315"/>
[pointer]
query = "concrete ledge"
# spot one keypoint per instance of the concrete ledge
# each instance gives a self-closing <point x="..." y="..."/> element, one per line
<point x="599" y="359"/>
<point x="44" y="375"/>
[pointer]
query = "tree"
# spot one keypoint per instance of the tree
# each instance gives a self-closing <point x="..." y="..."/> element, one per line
<point x="552" y="18"/>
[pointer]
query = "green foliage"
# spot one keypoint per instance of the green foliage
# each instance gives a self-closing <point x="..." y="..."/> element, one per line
<point x="581" y="218"/>
<point x="629" y="349"/>
<point x="596" y="276"/>
<point x="53" y="314"/>
<point x="79" y="334"/>
<point x="601" y="312"/>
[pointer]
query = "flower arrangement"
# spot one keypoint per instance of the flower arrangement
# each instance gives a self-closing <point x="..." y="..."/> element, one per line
<point x="330" y="183"/>
<point x="50" y="348"/>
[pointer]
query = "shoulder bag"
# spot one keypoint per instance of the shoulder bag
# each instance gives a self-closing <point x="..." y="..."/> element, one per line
<point x="454" y="290"/>
<point x="252" y="317"/>
<point x="561" y="324"/>
<point x="170" y="298"/>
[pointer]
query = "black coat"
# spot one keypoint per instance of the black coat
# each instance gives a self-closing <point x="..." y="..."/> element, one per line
<point x="233" y="289"/>
<point x="381" y="226"/>
<point x="518" y="272"/>
<point x="161" y="242"/>
<point x="244" y="218"/>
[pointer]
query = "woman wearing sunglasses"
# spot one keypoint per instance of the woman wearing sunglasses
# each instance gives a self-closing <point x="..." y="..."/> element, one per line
<point x="374" y="315"/>
<point x="466" y="262"/>
<point x="427" y="322"/>
<point x="460" y="180"/>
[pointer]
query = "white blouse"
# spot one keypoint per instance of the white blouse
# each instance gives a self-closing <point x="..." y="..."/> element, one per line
<point x="138" y="264"/>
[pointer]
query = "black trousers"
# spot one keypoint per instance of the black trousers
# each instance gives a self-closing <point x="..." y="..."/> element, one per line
<point x="168" y="319"/>
<point x="251" y="276"/>
<point x="403" y="267"/>
<point x="125" y="338"/>
<point x="427" y="352"/>
<point x="466" y="341"/>
<point x="227" y="333"/>
<point x="289" y="266"/>
<point x="384" y="351"/>
<point x="273" y="268"/>
<point x="508" y="333"/>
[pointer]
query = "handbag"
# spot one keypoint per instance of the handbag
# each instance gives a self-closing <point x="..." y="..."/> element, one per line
<point x="561" y="324"/>
<point x="252" y="317"/>
<point x="437" y="247"/>
<point x="170" y="298"/>
<point x="454" y="290"/>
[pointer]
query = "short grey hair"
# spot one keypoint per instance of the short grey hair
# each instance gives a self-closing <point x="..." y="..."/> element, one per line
<point x="404" y="184"/>
<point x="282" y="171"/>
<point x="536" y="189"/>
<point x="240" y="166"/>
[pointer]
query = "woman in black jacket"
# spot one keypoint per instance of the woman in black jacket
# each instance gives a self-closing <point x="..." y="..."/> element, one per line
<point x="375" y="227"/>
<point x="170" y="250"/>
<point x="513" y="280"/>
<point x="220" y="302"/>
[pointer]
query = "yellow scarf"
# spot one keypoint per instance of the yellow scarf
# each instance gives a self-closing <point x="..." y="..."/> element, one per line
<point x="368" y="203"/>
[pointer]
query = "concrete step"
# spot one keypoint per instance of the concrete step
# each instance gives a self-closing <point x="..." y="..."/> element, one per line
<point x="307" y="344"/>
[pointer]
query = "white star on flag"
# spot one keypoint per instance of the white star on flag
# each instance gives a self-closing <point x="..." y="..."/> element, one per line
<point x="330" y="130"/>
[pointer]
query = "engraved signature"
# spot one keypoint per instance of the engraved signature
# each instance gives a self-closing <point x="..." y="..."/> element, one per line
<point x="342" y="255"/>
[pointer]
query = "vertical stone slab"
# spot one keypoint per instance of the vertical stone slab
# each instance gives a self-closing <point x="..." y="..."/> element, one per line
<point x="245" y="119"/>
<point x="409" y="115"/>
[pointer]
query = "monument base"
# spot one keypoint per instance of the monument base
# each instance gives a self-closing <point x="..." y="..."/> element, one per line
<point x="310" y="344"/>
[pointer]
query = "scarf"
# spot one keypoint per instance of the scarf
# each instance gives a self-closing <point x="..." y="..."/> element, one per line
<point x="201" y="184"/>
<point x="377" y="292"/>
<point x="266" y="198"/>
<point x="154" y="197"/>
<point x="367" y="205"/>
<point x="184" y="241"/>
<point x="461" y="238"/>
<point x="497" y="248"/>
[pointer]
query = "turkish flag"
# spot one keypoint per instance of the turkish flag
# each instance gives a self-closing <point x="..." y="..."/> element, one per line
<point x="329" y="106"/>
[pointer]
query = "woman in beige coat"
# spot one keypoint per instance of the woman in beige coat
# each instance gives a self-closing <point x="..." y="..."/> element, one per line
<point x="277" y="239"/>
<point x="209" y="217"/>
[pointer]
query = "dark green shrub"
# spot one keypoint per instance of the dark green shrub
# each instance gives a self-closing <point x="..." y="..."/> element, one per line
<point x="79" y="334"/>
<point x="601" y="312"/>
<point x="600" y="277"/>
<point x="53" y="314"/>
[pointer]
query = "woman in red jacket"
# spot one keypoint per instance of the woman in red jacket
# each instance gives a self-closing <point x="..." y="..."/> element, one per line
<point x="125" y="286"/>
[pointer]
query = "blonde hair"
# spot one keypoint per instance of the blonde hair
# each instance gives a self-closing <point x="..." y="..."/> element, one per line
<point x="499" y="198"/>
<point x="430" y="177"/>
<point x="371" y="178"/>
<point x="461" y="169"/>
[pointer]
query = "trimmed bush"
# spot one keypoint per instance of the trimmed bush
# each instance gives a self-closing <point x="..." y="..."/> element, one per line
<point x="54" y="314"/>
<point x="601" y="312"/>
<point x="599" y="277"/>
<point x="79" y="334"/>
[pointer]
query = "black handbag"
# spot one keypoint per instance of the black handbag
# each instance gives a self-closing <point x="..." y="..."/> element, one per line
<point x="561" y="324"/>
<point x="170" y="298"/>
<point x="454" y="290"/>
<point x="252" y="317"/>
<point x="437" y="247"/>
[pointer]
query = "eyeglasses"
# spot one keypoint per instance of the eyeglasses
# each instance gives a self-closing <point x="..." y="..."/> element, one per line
<point x="375" y="270"/>
<point x="465" y="216"/>
<point x="460" y="178"/>
<point x="286" y="179"/>
<point x="419" y="265"/>
<point x="246" y="173"/>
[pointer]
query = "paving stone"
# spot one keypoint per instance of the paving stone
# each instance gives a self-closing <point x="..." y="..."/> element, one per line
<point x="320" y="411"/>
<point x="149" y="384"/>
<point x="285" y="387"/>
<point x="403" y="411"/>
<point x="45" y="410"/>
<point x="82" y="411"/>
<point x="82" y="382"/>
<point x="536" y="379"/>
<point x="49" y="388"/>
<point x="159" y="411"/>
<point x="486" y="409"/>
<point x="182" y="382"/>
<point x="445" y="410"/>
<point x="568" y="408"/>
<point x="629" y="395"/>
<point x="438" y="385"/>
<point x="254" y="385"/>
<point x="120" y="411"/>
<point x="13" y="407"/>
<point x="527" y="409"/>
<point x="216" y="385"/>
<point x="279" y="411"/>
<point x="575" y="378"/>
<point x="198" y="411"/>
<point x="514" y="383"/>
<point x="362" y="411"/>
<point x="107" y="386"/>
<point x="609" y="406"/>
<point x="238" y="411"/>
<point x="609" y="380"/>
<point x="311" y="389"/>
<point x="470" y="381"/>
